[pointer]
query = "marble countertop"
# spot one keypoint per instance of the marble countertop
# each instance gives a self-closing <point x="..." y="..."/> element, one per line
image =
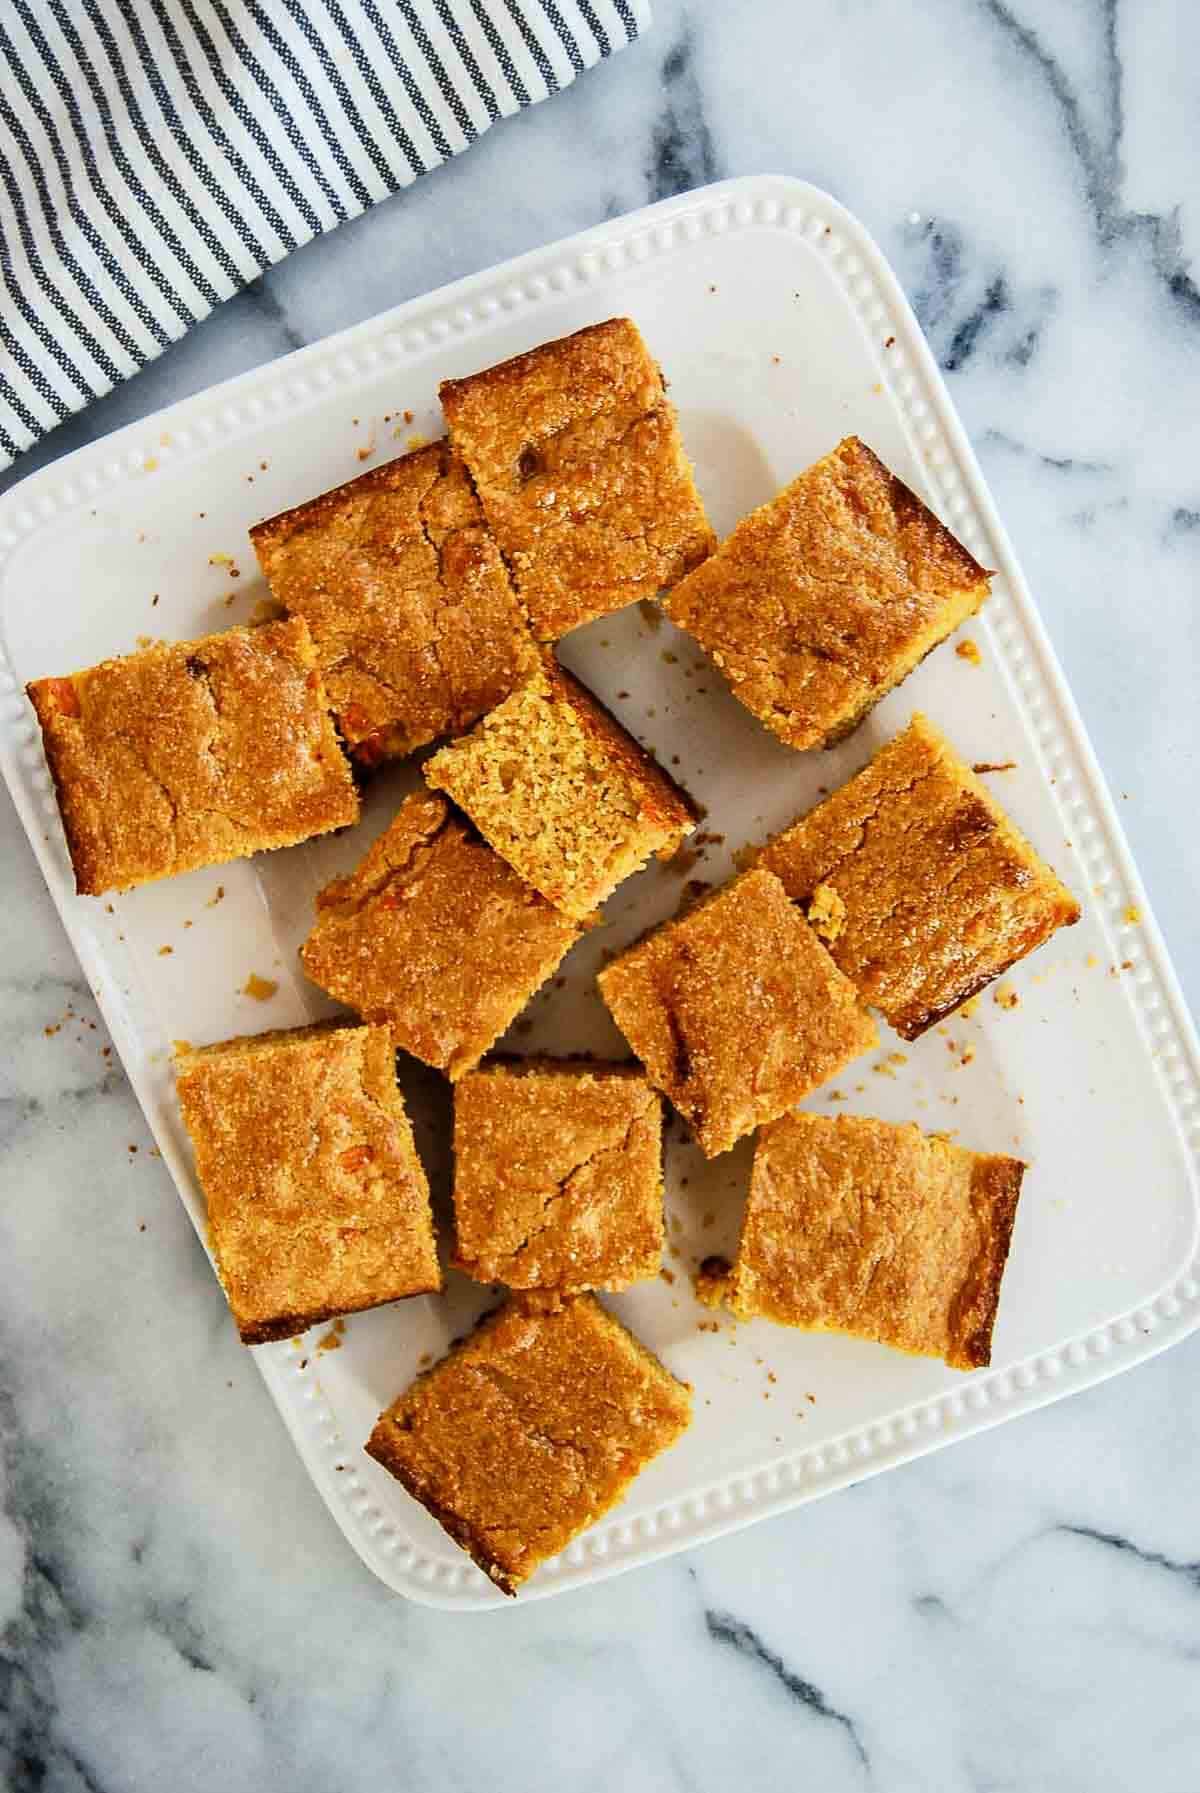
<point x="1022" y="1611"/>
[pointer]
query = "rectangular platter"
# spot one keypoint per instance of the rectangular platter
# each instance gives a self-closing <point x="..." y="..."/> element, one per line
<point x="781" y="329"/>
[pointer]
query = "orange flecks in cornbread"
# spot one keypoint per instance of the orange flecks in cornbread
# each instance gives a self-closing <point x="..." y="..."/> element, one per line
<point x="558" y="1176"/>
<point x="856" y="1226"/>
<point x="577" y="459"/>
<point x="434" y="936"/>
<point x="193" y="753"/>
<point x="940" y="891"/>
<point x="559" y="789"/>
<point x="417" y="628"/>
<point x="736" y="1009"/>
<point x="317" y="1202"/>
<point x="530" y="1431"/>
<point x="826" y="597"/>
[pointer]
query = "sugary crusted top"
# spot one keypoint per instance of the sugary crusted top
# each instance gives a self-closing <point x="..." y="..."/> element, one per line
<point x="938" y="891"/>
<point x="858" y="1226"/>
<point x="317" y="1201"/>
<point x="821" y="597"/>
<point x="191" y="753"/>
<point x="557" y="1175"/>
<point x="736" y="1009"/>
<point x="417" y="628"/>
<point x="578" y="462"/>
<point x="530" y="1430"/>
<point x="435" y="936"/>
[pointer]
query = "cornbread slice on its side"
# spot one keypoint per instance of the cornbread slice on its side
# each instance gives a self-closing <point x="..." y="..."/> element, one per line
<point x="530" y="1431"/>
<point x="921" y="886"/>
<point x="193" y="753"/>
<point x="317" y="1201"/>
<point x="558" y="788"/>
<point x="736" y="1009"/>
<point x="417" y="628"/>
<point x="825" y="598"/>
<point x="435" y="937"/>
<point x="577" y="459"/>
<point x="558" y="1175"/>
<point x="886" y="1232"/>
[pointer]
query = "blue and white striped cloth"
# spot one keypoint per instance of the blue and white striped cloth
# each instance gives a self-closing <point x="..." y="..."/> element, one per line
<point x="156" y="155"/>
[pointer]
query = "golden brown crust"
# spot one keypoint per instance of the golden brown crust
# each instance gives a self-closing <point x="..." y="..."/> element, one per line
<point x="530" y="1430"/>
<point x="825" y="598"/>
<point x="736" y="1009"/>
<point x="560" y="790"/>
<point x="579" y="465"/>
<point x="193" y="753"/>
<point x="317" y="1201"/>
<point x="558" y="1175"/>
<point x="854" y="1225"/>
<point x="434" y="936"/>
<point x="939" y="892"/>
<point x="417" y="628"/>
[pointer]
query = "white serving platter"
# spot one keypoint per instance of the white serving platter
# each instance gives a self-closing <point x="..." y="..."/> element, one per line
<point x="782" y="329"/>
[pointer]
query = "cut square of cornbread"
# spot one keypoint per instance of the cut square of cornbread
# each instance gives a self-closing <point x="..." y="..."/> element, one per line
<point x="435" y="937"/>
<point x="558" y="788"/>
<point x="826" y="597"/>
<point x="736" y="1009"/>
<point x="576" y="456"/>
<point x="193" y="753"/>
<point x="558" y="1175"/>
<point x="921" y="886"/>
<point x="530" y="1431"/>
<point x="417" y="628"/>
<point x="317" y="1201"/>
<point x="886" y="1232"/>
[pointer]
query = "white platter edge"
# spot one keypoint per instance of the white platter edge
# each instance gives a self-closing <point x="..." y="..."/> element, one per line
<point x="1164" y="1317"/>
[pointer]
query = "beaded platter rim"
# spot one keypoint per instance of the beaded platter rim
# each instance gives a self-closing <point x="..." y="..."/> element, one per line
<point x="910" y="376"/>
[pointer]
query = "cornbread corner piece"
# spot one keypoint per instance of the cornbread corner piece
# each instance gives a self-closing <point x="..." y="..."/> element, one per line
<point x="825" y="598"/>
<point x="417" y="628"/>
<point x="576" y="456"/>
<point x="883" y="1231"/>
<point x="736" y="1009"/>
<point x="558" y="788"/>
<point x="530" y="1431"/>
<point x="193" y="753"/>
<point x="435" y="937"/>
<point x="317" y="1201"/>
<point x="558" y="1175"/>
<point x="922" y="888"/>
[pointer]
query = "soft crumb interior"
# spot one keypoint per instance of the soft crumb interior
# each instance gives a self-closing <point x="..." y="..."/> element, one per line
<point x="563" y="794"/>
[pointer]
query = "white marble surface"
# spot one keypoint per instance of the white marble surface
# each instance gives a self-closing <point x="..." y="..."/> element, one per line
<point x="1023" y="1611"/>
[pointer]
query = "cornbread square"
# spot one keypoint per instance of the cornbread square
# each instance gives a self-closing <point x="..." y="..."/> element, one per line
<point x="921" y="886"/>
<point x="193" y="753"/>
<point x="559" y="789"/>
<point x="435" y="937"/>
<point x="736" y="1009"/>
<point x="558" y="1175"/>
<point x="317" y="1201"/>
<point x="886" y="1232"/>
<point x="825" y="598"/>
<point x="417" y="628"/>
<point x="531" y="1430"/>
<point x="577" y="458"/>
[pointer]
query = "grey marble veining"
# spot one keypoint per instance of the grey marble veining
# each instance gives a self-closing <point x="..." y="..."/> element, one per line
<point x="1021" y="1612"/>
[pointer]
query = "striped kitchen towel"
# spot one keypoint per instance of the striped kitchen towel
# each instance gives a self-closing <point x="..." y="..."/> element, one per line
<point x="156" y="155"/>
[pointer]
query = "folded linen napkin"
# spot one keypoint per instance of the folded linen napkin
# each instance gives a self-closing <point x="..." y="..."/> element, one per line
<point x="155" y="155"/>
